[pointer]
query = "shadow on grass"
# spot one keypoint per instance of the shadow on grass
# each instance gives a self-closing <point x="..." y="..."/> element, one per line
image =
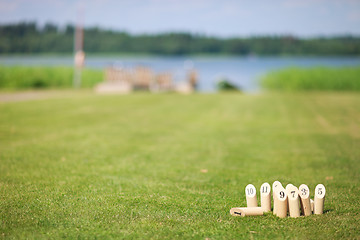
<point x="327" y="211"/>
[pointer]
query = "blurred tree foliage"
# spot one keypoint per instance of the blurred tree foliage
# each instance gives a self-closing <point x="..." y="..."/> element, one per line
<point x="30" y="38"/>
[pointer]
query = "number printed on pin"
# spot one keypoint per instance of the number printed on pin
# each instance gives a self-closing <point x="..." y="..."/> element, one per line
<point x="282" y="194"/>
<point x="250" y="190"/>
<point x="265" y="188"/>
<point x="304" y="191"/>
<point x="320" y="191"/>
<point x="293" y="193"/>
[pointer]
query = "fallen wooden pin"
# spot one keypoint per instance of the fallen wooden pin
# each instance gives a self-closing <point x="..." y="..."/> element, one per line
<point x="247" y="211"/>
<point x="291" y="199"/>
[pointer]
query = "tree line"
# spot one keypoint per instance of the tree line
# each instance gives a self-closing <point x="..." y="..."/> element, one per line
<point x="28" y="37"/>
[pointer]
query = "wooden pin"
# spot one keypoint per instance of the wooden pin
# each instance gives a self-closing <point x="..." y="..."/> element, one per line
<point x="265" y="197"/>
<point x="275" y="186"/>
<point x="281" y="200"/>
<point x="312" y="205"/>
<point x="304" y="194"/>
<point x="286" y="188"/>
<point x="248" y="211"/>
<point x="293" y="200"/>
<point x="319" y="199"/>
<point x="250" y="192"/>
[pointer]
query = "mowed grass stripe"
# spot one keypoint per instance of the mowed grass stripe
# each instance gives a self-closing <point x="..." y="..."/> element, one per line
<point x="130" y="166"/>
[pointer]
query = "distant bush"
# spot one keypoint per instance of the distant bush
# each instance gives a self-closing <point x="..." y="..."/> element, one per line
<point x="225" y="85"/>
<point x="21" y="77"/>
<point x="317" y="78"/>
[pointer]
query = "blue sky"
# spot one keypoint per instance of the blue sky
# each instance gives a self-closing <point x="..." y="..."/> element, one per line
<point x="222" y="18"/>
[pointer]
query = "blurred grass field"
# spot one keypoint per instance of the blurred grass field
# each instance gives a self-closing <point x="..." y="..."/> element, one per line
<point x="171" y="166"/>
<point x="313" y="79"/>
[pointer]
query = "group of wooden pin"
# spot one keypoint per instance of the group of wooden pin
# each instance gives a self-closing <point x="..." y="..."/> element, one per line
<point x="291" y="199"/>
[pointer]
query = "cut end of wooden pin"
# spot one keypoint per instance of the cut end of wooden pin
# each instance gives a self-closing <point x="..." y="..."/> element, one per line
<point x="276" y="184"/>
<point x="250" y="190"/>
<point x="304" y="191"/>
<point x="292" y="192"/>
<point x="265" y="189"/>
<point x="236" y="212"/>
<point x="246" y="211"/>
<point x="320" y="191"/>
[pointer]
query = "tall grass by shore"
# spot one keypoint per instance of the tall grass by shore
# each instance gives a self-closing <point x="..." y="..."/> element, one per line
<point x="24" y="77"/>
<point x="316" y="78"/>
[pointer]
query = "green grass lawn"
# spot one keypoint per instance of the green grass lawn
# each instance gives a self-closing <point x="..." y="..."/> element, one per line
<point x="133" y="166"/>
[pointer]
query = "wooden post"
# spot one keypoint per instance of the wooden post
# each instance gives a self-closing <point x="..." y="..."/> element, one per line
<point x="250" y="192"/>
<point x="265" y="190"/>
<point x="79" y="55"/>
<point x="248" y="211"/>
<point x="304" y="194"/>
<point x="319" y="199"/>
<point x="293" y="199"/>
<point x="79" y="60"/>
<point x="281" y="202"/>
<point x="275" y="186"/>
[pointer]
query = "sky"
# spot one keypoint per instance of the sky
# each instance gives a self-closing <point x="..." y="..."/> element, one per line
<point x="222" y="18"/>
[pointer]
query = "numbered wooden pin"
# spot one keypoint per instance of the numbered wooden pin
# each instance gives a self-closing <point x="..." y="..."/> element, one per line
<point x="248" y="211"/>
<point x="281" y="202"/>
<point x="293" y="200"/>
<point x="312" y="205"/>
<point x="286" y="188"/>
<point x="304" y="194"/>
<point x="275" y="186"/>
<point x="319" y="199"/>
<point x="250" y="192"/>
<point x="265" y="197"/>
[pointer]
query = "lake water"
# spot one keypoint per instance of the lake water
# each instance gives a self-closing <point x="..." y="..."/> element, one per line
<point x="242" y="71"/>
